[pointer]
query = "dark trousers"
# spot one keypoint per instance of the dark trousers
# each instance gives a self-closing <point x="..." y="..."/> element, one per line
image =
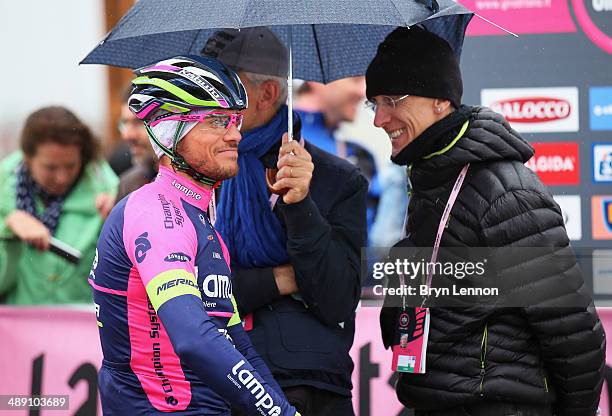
<point x="310" y="401"/>
<point x="491" y="409"/>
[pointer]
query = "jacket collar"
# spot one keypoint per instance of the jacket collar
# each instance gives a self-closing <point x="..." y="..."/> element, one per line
<point x="436" y="137"/>
<point x="488" y="138"/>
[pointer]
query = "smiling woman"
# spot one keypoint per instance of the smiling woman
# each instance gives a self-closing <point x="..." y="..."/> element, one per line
<point x="54" y="187"/>
<point x="553" y="356"/>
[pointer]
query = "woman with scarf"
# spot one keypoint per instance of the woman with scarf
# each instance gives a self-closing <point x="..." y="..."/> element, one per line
<point x="54" y="187"/>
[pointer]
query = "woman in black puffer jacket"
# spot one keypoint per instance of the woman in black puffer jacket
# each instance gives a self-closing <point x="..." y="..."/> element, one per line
<point x="542" y="359"/>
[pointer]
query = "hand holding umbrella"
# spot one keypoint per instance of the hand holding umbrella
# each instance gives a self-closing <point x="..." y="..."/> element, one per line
<point x="295" y="169"/>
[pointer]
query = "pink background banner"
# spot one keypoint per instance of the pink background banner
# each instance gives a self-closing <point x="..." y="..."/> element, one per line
<point x="52" y="351"/>
<point x="56" y="351"/>
<point x="519" y="16"/>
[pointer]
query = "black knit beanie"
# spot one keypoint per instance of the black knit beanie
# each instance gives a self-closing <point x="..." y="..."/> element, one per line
<point x="416" y="62"/>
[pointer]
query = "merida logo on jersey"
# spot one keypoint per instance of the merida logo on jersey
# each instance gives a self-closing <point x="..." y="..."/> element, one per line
<point x="264" y="400"/>
<point x="173" y="257"/>
<point x="175" y="282"/>
<point x="217" y="286"/>
<point x="186" y="191"/>
<point x="142" y="246"/>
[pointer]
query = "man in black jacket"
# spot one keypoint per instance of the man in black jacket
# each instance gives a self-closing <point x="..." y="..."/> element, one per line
<point x="544" y="358"/>
<point x="295" y="257"/>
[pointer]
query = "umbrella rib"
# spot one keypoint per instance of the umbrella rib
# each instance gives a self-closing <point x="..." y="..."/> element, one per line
<point x="401" y="17"/>
<point x="243" y="18"/>
<point x="316" y="40"/>
<point x="195" y="37"/>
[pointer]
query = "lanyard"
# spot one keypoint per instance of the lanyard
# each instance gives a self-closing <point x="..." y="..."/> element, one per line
<point x="449" y="206"/>
<point x="445" y="216"/>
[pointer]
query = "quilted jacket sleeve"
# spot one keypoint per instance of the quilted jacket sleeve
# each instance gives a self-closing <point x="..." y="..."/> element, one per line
<point x="560" y="310"/>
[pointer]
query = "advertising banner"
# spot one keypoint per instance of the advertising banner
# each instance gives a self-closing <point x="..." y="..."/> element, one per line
<point x="556" y="163"/>
<point x="51" y="351"/>
<point x="56" y="351"/>
<point x="520" y="16"/>
<point x="535" y="110"/>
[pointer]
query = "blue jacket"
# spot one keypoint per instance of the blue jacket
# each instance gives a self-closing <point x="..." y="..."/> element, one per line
<point x="306" y="340"/>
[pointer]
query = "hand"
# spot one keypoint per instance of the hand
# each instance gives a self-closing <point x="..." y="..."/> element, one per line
<point x="29" y="229"/>
<point x="285" y="279"/>
<point x="104" y="204"/>
<point x="295" y="169"/>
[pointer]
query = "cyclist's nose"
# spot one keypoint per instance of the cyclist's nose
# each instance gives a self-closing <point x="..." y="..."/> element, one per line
<point x="232" y="134"/>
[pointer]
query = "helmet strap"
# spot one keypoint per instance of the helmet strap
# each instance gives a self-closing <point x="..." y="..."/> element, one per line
<point x="179" y="163"/>
<point x="163" y="148"/>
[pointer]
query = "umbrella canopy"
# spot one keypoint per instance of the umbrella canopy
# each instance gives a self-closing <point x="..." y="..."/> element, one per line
<point x="328" y="39"/>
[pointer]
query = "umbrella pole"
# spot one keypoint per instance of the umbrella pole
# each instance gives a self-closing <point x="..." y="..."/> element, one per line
<point x="290" y="89"/>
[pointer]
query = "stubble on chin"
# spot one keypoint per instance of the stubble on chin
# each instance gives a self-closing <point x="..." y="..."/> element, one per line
<point x="218" y="173"/>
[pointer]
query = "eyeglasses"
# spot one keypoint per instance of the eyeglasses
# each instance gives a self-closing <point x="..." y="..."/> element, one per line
<point x="134" y="123"/>
<point x="384" y="101"/>
<point x="215" y="121"/>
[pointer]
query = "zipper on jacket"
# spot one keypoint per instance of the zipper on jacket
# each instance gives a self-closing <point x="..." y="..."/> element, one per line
<point x="545" y="384"/>
<point x="483" y="354"/>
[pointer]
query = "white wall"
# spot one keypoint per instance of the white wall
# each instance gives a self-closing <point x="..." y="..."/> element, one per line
<point x="41" y="44"/>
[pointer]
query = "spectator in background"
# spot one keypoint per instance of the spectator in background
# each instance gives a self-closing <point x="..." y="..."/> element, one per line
<point x="295" y="261"/>
<point x="322" y="107"/>
<point x="55" y="186"/>
<point x="388" y="224"/>
<point x="144" y="161"/>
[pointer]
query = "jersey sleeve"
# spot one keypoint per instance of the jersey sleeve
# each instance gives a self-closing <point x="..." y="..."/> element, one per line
<point x="210" y="354"/>
<point x="173" y="291"/>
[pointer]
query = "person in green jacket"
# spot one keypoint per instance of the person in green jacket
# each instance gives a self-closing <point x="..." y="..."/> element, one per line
<point x="55" y="186"/>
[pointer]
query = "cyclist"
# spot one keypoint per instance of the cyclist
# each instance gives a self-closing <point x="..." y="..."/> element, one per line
<point x="171" y="336"/>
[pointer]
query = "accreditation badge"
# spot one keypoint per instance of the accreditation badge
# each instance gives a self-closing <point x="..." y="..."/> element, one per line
<point x="410" y="347"/>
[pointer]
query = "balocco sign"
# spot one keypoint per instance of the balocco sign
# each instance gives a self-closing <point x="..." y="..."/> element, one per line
<point x="535" y="109"/>
<point x="556" y="163"/>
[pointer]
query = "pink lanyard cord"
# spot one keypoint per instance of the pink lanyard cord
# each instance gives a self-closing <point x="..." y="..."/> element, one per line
<point x="445" y="216"/>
